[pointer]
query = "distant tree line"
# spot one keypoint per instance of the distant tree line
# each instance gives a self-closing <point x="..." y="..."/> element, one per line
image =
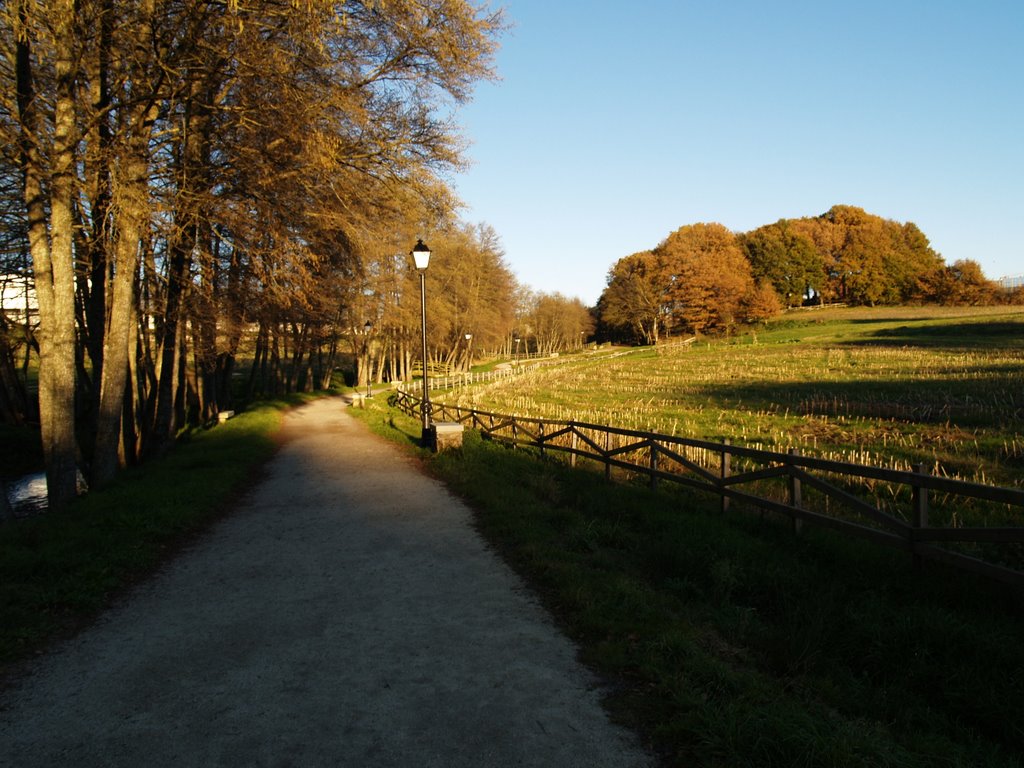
<point x="705" y="278"/>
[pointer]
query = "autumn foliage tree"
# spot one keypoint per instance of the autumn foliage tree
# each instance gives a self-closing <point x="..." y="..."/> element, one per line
<point x="866" y="259"/>
<point x="633" y="299"/>
<point x="697" y="280"/>
<point x="761" y="304"/>
<point x="470" y="291"/>
<point x="705" y="275"/>
<point x="961" y="283"/>
<point x="705" y="278"/>
<point x="191" y="171"/>
<point x="555" y="322"/>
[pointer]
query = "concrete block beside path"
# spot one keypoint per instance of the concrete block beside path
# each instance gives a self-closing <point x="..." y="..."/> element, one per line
<point x="444" y="436"/>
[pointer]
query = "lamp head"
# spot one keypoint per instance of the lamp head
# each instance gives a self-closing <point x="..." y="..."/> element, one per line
<point x="421" y="254"/>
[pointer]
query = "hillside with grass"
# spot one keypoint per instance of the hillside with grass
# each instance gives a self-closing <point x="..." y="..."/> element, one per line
<point x="890" y="387"/>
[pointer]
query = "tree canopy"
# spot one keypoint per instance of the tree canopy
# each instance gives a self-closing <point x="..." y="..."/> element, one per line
<point x="705" y="278"/>
<point x="787" y="259"/>
<point x="867" y="259"/>
<point x="696" y="280"/>
<point x="633" y="299"/>
<point x="193" y="177"/>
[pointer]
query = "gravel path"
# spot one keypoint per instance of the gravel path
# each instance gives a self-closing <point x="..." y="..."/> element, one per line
<point x="345" y="614"/>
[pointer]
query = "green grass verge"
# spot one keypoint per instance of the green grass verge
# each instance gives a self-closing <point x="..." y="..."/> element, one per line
<point x="57" y="571"/>
<point x="733" y="642"/>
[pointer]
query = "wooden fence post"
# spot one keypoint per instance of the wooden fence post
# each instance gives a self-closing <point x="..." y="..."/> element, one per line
<point x="795" y="495"/>
<point x="574" y="444"/>
<point x="654" y="465"/>
<point x="725" y="474"/>
<point x="607" y="458"/>
<point x="540" y="438"/>
<point x="920" y="503"/>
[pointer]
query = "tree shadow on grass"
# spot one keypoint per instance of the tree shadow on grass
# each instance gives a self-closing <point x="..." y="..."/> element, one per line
<point x="989" y="398"/>
<point x="996" y="334"/>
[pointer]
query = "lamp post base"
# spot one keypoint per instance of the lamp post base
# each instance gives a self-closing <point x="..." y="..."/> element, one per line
<point x="443" y="436"/>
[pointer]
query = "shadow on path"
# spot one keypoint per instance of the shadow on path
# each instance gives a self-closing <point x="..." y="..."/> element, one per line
<point x="345" y="614"/>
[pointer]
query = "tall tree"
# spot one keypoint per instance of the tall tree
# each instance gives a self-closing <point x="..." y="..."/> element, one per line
<point x="705" y="277"/>
<point x="559" y="323"/>
<point x="138" y="64"/>
<point x="633" y="298"/>
<point x="17" y="315"/>
<point x="868" y="259"/>
<point x="45" y="50"/>
<point x="961" y="283"/>
<point x="786" y="258"/>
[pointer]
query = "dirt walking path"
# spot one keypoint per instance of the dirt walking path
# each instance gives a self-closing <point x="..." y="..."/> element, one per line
<point x="345" y="614"/>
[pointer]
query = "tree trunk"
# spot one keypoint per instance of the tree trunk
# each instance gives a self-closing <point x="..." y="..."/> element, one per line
<point x="275" y="365"/>
<point x="164" y="423"/>
<point x="232" y="324"/>
<point x="13" y="395"/>
<point x="51" y="250"/>
<point x="135" y="397"/>
<point x="132" y="204"/>
<point x="259" y="361"/>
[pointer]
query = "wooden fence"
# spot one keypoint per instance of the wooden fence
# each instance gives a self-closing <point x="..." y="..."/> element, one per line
<point x="886" y="506"/>
<point x="506" y="371"/>
<point x="454" y="380"/>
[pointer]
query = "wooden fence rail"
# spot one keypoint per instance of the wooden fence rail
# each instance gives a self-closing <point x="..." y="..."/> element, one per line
<point x="846" y="497"/>
<point x="512" y="368"/>
<point x="454" y="380"/>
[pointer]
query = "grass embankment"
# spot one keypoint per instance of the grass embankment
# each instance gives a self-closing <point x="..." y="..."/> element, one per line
<point x="59" y="570"/>
<point x="734" y="643"/>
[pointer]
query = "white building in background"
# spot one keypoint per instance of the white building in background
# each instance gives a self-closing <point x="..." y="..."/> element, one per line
<point x="1009" y="283"/>
<point x="17" y="296"/>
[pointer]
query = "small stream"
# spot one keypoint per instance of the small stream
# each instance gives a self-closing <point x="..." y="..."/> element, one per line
<point x="26" y="495"/>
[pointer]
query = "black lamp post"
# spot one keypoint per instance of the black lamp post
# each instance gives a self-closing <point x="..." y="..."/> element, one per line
<point x="517" y="340"/>
<point x="469" y="340"/>
<point x="421" y="258"/>
<point x="366" y="341"/>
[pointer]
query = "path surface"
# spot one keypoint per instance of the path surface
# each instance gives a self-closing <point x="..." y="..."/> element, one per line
<point x="346" y="614"/>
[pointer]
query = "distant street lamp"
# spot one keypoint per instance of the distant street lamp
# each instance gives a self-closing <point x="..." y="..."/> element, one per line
<point x="366" y="342"/>
<point x="421" y="258"/>
<point x="469" y="340"/>
<point x="517" y="340"/>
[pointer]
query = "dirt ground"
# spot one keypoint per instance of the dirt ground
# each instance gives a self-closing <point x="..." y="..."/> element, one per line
<point x="344" y="614"/>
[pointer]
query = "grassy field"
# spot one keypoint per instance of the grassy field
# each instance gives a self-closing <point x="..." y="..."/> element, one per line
<point x="727" y="641"/>
<point x="891" y="387"/>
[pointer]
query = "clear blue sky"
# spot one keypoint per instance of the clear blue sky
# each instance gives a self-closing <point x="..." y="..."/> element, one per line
<point x="616" y="123"/>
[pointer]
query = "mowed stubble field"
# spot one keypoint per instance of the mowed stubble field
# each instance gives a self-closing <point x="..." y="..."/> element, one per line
<point x="890" y="387"/>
